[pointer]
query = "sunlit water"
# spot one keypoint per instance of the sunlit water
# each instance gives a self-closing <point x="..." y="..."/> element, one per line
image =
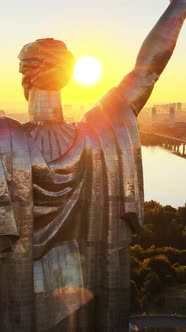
<point x="165" y="182"/>
<point x="164" y="176"/>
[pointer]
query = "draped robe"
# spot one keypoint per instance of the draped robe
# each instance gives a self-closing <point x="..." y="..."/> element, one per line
<point x="86" y="202"/>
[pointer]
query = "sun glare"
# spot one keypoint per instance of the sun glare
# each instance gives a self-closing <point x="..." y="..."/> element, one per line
<point x="88" y="70"/>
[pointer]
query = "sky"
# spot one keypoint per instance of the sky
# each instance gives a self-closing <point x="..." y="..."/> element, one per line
<point x="110" y="30"/>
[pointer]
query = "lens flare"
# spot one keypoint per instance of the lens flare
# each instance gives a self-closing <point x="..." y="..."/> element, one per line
<point x="88" y="70"/>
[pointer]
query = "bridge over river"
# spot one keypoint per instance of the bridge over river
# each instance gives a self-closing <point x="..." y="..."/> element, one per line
<point x="176" y="144"/>
<point x="157" y="321"/>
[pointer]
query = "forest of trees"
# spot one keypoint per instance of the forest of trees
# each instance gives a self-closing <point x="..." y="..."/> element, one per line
<point x="158" y="258"/>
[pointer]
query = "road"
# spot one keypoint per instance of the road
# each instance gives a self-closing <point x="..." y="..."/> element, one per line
<point x="161" y="321"/>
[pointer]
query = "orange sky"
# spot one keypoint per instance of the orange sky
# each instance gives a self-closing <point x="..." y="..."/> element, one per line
<point x="113" y="36"/>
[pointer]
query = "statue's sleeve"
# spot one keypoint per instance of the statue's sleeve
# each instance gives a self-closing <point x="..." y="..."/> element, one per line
<point x="136" y="87"/>
<point x="15" y="184"/>
<point x="8" y="226"/>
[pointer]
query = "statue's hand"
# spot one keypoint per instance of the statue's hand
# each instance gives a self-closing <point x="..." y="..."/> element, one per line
<point x="180" y="4"/>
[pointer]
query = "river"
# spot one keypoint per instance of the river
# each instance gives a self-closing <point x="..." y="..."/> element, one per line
<point x="164" y="182"/>
<point x="164" y="176"/>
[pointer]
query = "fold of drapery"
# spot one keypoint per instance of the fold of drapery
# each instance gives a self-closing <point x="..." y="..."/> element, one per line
<point x="115" y="125"/>
<point x="16" y="298"/>
<point x="8" y="225"/>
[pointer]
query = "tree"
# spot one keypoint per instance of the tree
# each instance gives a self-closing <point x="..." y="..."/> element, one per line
<point x="134" y="297"/>
<point x="181" y="274"/>
<point x="152" y="284"/>
<point x="161" y="265"/>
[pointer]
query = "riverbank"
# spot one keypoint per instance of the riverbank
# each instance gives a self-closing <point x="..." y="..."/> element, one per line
<point x="158" y="262"/>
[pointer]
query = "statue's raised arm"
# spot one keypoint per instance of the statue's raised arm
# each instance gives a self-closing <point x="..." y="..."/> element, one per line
<point x="153" y="56"/>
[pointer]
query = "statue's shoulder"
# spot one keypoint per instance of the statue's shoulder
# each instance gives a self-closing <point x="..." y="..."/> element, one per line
<point x="9" y="126"/>
<point x="111" y="106"/>
<point x="12" y="136"/>
<point x="91" y="115"/>
<point x="9" y="121"/>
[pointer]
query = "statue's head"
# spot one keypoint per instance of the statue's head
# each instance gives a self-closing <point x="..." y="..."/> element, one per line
<point x="46" y="64"/>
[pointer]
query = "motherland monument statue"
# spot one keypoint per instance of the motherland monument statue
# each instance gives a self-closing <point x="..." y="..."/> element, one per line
<point x="72" y="193"/>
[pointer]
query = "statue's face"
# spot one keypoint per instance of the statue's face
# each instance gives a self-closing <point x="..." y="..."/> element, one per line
<point x="26" y="86"/>
<point x="26" y="92"/>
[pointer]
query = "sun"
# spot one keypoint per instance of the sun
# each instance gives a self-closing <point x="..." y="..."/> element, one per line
<point x="88" y="70"/>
